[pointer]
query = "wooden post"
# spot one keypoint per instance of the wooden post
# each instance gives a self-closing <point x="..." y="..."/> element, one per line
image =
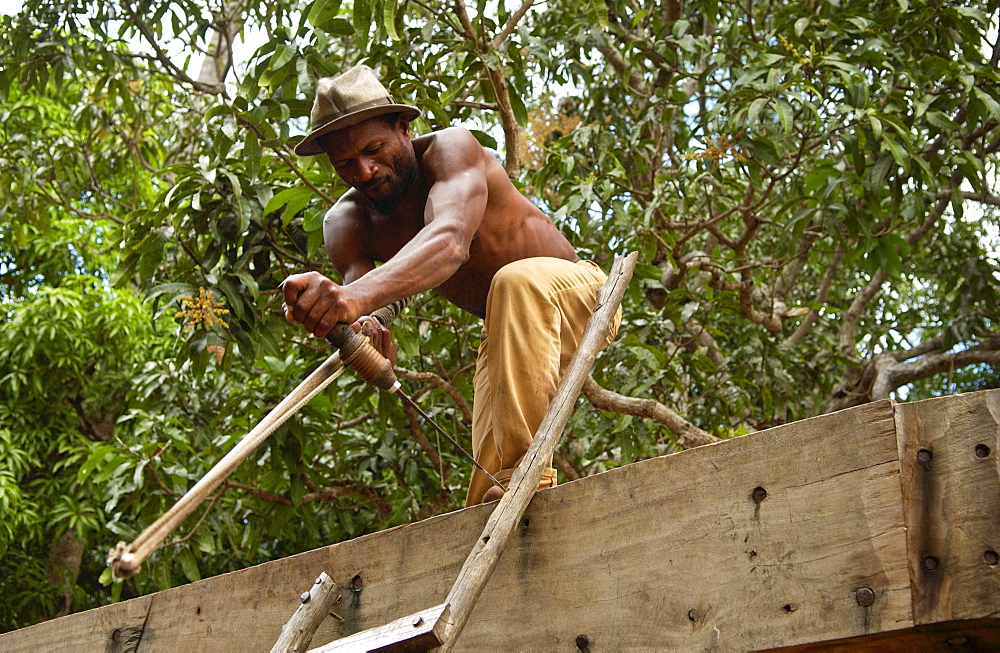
<point x="486" y="552"/>
<point x="316" y="603"/>
<point x="948" y="458"/>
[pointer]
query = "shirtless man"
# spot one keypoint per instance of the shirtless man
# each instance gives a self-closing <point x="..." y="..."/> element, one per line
<point x="439" y="212"/>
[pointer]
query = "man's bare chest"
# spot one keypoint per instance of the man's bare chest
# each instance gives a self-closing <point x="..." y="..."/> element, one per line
<point x="386" y="237"/>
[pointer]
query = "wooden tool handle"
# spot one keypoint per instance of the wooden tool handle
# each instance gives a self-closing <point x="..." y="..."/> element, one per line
<point x="340" y="334"/>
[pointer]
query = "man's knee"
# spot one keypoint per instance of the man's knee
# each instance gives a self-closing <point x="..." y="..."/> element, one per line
<point x="520" y="277"/>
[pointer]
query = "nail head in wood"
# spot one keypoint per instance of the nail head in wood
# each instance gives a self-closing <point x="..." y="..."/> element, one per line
<point x="758" y="494"/>
<point x="865" y="597"/>
<point x="582" y="642"/>
<point x="930" y="563"/>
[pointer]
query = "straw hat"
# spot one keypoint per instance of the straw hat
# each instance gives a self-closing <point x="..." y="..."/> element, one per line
<point x="346" y="100"/>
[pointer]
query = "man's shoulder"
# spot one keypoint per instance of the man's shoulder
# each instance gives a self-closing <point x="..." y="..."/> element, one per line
<point x="449" y="149"/>
<point x="348" y="211"/>
<point x="447" y="138"/>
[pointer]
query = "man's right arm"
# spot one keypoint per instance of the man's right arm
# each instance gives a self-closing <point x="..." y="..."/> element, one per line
<point x="317" y="302"/>
<point x="345" y="233"/>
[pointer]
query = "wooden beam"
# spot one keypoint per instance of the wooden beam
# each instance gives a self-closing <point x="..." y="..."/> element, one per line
<point x="671" y="550"/>
<point x="416" y="632"/>
<point x="116" y="628"/>
<point x="949" y="452"/>
<point x="297" y="634"/>
<point x="668" y="553"/>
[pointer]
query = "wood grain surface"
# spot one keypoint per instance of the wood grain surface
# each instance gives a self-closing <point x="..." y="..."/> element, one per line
<point x="677" y="552"/>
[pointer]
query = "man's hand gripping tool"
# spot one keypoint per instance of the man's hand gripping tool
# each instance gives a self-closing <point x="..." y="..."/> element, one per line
<point x="357" y="352"/>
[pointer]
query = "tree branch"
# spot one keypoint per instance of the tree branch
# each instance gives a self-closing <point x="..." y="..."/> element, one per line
<point x="164" y="59"/>
<point x="821" y="297"/>
<point x="512" y="22"/>
<point x="438" y="382"/>
<point x="983" y="198"/>
<point x="425" y="444"/>
<point x="890" y="374"/>
<point x="688" y="435"/>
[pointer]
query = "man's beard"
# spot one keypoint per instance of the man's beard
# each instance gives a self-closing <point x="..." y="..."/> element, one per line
<point x="399" y="185"/>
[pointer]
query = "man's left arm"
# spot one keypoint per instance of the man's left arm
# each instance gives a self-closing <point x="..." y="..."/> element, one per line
<point x="455" y="173"/>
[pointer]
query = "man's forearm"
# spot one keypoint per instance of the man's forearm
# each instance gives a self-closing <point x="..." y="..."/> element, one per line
<point x="422" y="264"/>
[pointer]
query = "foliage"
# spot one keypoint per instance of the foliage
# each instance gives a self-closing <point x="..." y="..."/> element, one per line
<point x="810" y="187"/>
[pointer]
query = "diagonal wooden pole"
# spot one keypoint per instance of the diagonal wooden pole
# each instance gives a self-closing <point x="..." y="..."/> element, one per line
<point x="126" y="559"/>
<point x="442" y="624"/>
<point x="486" y="553"/>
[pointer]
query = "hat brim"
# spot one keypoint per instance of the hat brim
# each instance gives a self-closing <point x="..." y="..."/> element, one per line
<point x="309" y="146"/>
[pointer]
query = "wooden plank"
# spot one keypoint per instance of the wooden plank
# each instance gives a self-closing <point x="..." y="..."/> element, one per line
<point x="950" y="466"/>
<point x="416" y="632"/>
<point x="114" y="628"/>
<point x="965" y="636"/>
<point x="672" y="553"/>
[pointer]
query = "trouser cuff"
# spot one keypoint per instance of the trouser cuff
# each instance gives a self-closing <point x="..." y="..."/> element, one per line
<point x="548" y="478"/>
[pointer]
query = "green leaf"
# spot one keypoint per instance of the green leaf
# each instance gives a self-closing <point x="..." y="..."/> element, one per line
<point x="285" y="196"/>
<point x="784" y="115"/>
<point x="282" y="56"/>
<point x="520" y="113"/>
<point x="322" y="11"/>
<point x="251" y="154"/>
<point x="189" y="565"/>
<point x="755" y="108"/>
<point x="991" y="105"/>
<point x="876" y="126"/>
<point x="484" y="139"/>
<point x="362" y="18"/>
<point x="389" y="18"/>
<point x="900" y="155"/>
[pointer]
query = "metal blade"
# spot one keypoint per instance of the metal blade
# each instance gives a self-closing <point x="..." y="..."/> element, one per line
<point x="409" y="402"/>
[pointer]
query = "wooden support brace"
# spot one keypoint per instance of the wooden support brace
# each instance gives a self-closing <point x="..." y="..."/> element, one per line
<point x="417" y="632"/>
<point x="483" y="559"/>
<point x="486" y="552"/>
<point x="316" y="603"/>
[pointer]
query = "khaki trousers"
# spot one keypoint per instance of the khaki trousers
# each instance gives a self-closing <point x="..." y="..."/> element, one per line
<point x="536" y="312"/>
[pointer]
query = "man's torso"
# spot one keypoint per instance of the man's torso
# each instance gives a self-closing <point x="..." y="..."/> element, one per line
<point x="512" y="228"/>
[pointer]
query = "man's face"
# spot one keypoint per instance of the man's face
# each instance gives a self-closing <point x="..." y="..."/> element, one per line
<point x="374" y="158"/>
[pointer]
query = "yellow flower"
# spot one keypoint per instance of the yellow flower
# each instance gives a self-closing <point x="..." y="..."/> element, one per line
<point x="202" y="310"/>
<point x="719" y="149"/>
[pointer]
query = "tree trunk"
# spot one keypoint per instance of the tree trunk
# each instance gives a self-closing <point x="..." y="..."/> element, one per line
<point x="63" y="568"/>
